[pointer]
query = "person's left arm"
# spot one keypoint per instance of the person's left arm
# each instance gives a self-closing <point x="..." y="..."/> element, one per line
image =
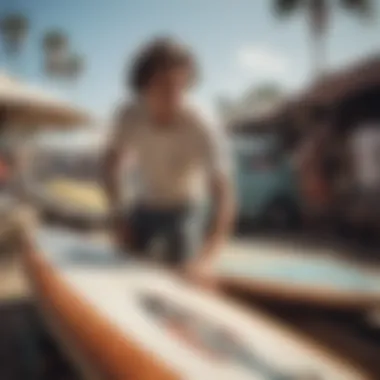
<point x="217" y="158"/>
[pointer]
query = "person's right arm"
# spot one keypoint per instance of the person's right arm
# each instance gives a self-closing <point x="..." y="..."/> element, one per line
<point x="118" y="149"/>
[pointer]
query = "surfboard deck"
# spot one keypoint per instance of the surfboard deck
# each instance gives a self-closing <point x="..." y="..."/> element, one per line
<point x="299" y="277"/>
<point x="70" y="213"/>
<point x="132" y="320"/>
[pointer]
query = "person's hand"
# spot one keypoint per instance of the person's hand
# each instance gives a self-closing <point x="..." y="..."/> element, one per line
<point x="200" y="272"/>
<point x="124" y="235"/>
<point x="121" y="232"/>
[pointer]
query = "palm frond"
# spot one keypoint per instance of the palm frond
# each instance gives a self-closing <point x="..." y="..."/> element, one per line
<point x="74" y="66"/>
<point x="14" y="29"/>
<point x="270" y="90"/>
<point x="54" y="41"/>
<point x="364" y="8"/>
<point x="285" y="8"/>
<point x="14" y="24"/>
<point x="53" y="69"/>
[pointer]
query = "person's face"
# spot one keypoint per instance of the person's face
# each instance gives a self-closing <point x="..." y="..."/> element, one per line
<point x="167" y="90"/>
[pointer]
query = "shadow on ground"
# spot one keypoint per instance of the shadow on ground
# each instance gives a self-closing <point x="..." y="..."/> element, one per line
<point x="26" y="351"/>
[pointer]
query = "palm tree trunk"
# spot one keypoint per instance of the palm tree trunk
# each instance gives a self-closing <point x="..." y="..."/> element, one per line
<point x="318" y="54"/>
<point x="318" y="19"/>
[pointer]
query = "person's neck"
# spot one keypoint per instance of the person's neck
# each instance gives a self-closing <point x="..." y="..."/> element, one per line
<point x="165" y="120"/>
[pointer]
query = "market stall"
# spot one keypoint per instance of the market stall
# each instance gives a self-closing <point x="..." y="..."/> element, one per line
<point x="24" y="111"/>
<point x="338" y="115"/>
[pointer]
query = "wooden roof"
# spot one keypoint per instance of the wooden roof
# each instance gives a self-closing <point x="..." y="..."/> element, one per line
<point x="327" y="91"/>
<point x="339" y="84"/>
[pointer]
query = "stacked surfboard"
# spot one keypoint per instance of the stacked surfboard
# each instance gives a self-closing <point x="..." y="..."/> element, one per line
<point x="299" y="276"/>
<point x="73" y="202"/>
<point x="120" y="319"/>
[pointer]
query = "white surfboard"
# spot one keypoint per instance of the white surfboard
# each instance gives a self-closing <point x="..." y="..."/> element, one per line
<point x="303" y="277"/>
<point x="125" y="319"/>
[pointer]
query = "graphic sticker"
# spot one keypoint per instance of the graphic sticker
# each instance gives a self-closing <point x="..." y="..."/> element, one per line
<point x="213" y="340"/>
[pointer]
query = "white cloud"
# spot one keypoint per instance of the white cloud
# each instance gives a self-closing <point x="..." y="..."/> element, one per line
<point x="263" y="63"/>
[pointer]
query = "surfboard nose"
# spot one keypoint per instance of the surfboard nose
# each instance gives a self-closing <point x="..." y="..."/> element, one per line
<point x="67" y="249"/>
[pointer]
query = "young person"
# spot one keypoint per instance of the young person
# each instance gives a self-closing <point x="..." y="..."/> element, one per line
<point x="176" y="151"/>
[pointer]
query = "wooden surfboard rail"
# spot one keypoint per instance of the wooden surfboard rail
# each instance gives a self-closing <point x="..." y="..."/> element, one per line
<point x="109" y="352"/>
<point x="71" y="217"/>
<point x="113" y="355"/>
<point x="295" y="294"/>
<point x="77" y="221"/>
<point x="294" y="277"/>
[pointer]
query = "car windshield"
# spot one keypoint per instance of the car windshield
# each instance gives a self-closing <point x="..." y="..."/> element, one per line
<point x="263" y="148"/>
<point x="253" y="143"/>
<point x="257" y="145"/>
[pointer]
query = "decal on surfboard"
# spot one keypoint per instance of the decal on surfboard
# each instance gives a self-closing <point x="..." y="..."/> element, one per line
<point x="213" y="339"/>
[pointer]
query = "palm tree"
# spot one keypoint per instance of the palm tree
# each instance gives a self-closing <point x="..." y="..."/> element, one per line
<point x="73" y="68"/>
<point x="318" y="12"/>
<point x="255" y="100"/>
<point x="14" y="30"/>
<point x="55" y="45"/>
<point x="59" y="62"/>
<point x="263" y="95"/>
<point x="268" y="91"/>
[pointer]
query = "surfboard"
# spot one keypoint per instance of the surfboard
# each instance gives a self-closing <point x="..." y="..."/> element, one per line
<point x="120" y="319"/>
<point x="64" y="202"/>
<point x="85" y="194"/>
<point x="302" y="277"/>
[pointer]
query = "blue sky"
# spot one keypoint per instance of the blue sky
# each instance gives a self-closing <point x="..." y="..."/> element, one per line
<point x="239" y="42"/>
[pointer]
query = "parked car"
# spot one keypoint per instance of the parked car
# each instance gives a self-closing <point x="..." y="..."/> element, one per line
<point x="266" y="183"/>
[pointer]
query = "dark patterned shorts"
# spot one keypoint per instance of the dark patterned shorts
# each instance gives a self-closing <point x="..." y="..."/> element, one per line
<point x="178" y="232"/>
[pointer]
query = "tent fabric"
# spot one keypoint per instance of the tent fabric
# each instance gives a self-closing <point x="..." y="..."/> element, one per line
<point x="21" y="104"/>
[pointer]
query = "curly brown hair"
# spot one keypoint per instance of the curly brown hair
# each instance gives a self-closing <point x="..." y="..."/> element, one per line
<point x="160" y="54"/>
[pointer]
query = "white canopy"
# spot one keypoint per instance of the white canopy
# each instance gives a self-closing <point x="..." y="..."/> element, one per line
<point x="80" y="141"/>
<point x="27" y="105"/>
